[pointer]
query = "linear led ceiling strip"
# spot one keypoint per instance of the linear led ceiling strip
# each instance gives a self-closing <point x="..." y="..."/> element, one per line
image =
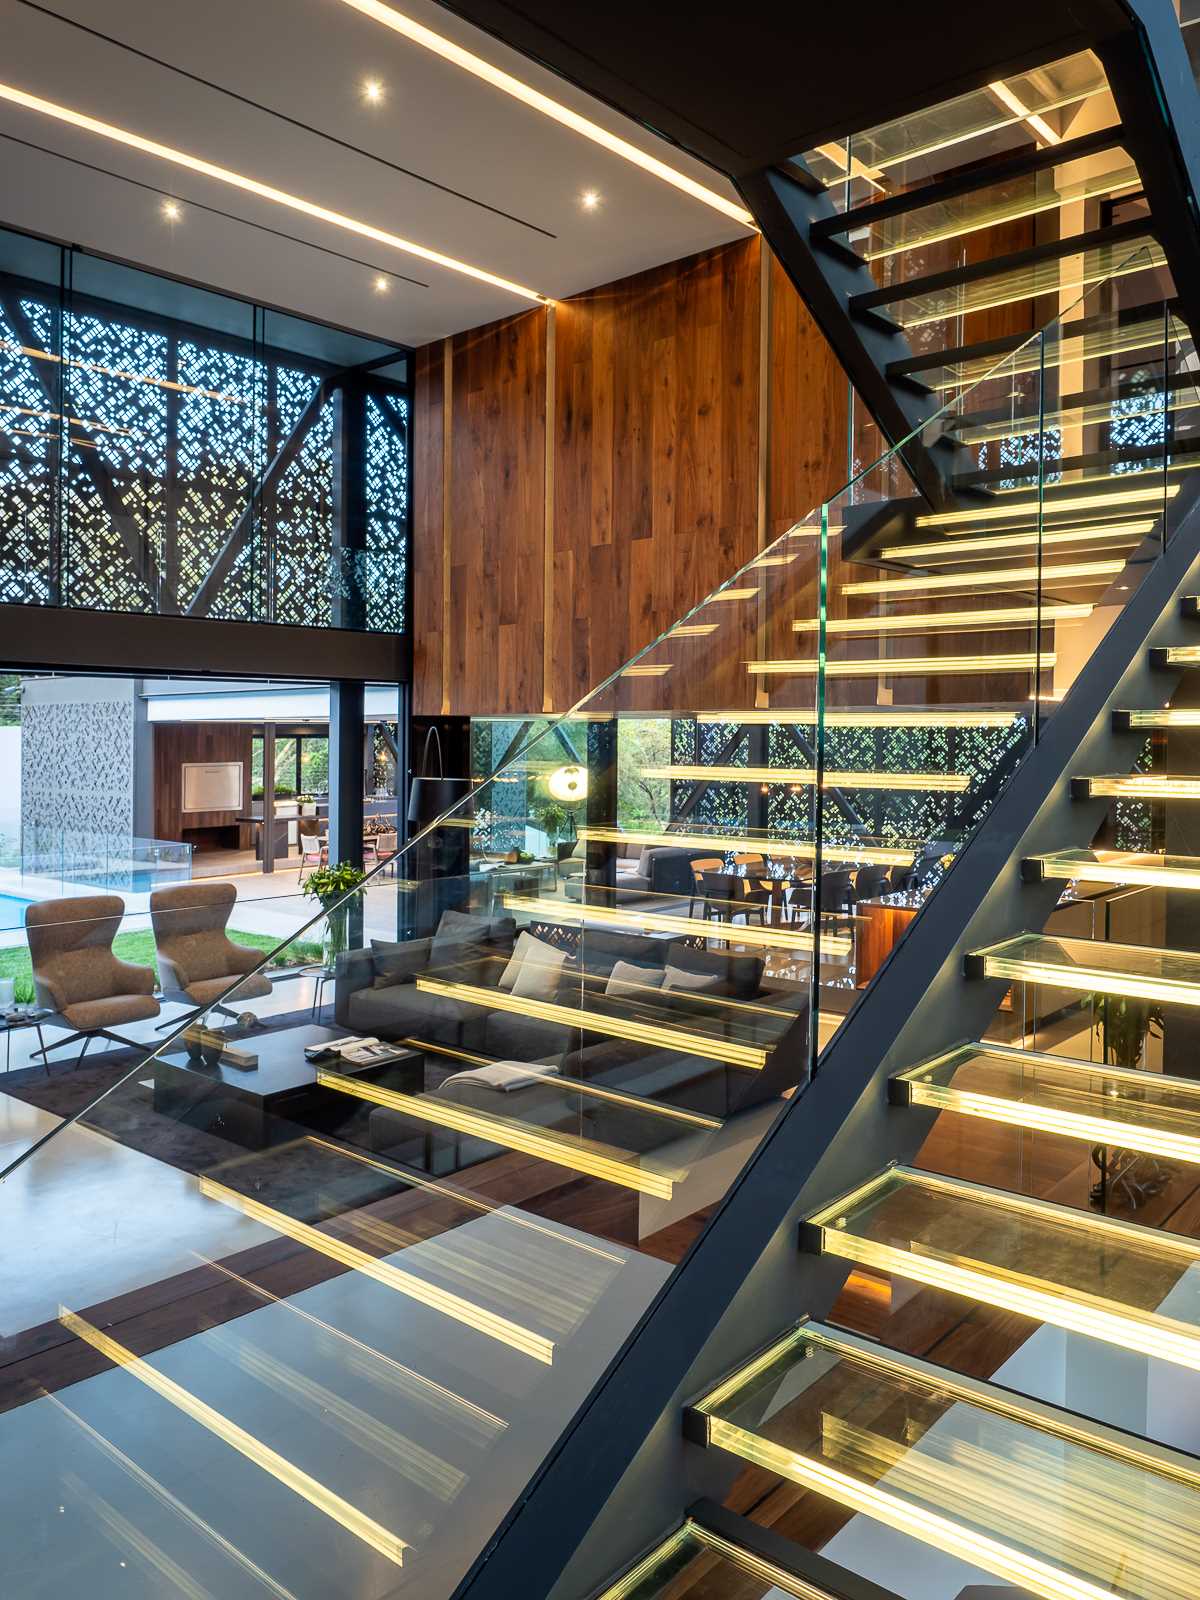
<point x="263" y="191"/>
<point x="468" y="61"/>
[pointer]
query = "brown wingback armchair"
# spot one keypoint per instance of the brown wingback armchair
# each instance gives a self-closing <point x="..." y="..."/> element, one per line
<point x="88" y="989"/>
<point x="197" y="960"/>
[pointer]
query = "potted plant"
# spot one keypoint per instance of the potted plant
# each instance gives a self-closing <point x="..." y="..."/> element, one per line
<point x="554" y="820"/>
<point x="329" y="886"/>
<point x="1123" y="1025"/>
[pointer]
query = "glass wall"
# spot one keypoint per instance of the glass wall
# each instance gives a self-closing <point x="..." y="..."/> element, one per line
<point x="167" y="449"/>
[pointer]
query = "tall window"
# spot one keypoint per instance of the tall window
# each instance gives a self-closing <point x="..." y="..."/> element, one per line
<point x="167" y="450"/>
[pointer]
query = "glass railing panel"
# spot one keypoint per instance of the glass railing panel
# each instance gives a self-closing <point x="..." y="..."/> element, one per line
<point x="984" y="1478"/>
<point x="985" y="122"/>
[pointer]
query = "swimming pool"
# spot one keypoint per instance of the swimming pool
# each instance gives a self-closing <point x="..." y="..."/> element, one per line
<point x="12" y="912"/>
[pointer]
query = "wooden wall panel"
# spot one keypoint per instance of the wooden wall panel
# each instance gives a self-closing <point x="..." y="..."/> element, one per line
<point x="496" y="515"/>
<point x="656" y="444"/>
<point x="656" y="489"/>
<point x="427" y="519"/>
<point x="178" y="742"/>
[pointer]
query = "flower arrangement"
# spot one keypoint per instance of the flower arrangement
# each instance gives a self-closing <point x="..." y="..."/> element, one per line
<point x="329" y="886"/>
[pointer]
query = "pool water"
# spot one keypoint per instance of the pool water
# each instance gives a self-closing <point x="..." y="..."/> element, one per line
<point x="12" y="912"/>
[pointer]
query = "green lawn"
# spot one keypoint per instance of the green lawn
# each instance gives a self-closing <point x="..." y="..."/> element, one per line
<point x="139" y="947"/>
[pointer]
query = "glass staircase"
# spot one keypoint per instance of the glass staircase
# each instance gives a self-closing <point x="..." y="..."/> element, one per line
<point x="372" y="1297"/>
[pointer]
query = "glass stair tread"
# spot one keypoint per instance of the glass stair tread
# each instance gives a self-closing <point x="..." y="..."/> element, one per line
<point x="697" y="1561"/>
<point x="1077" y="340"/>
<point x="937" y="298"/>
<point x="453" y="1259"/>
<point x="1140" y="971"/>
<point x="741" y="1033"/>
<point x="1060" y="1507"/>
<point x="1146" y="1111"/>
<point x="1117" y="867"/>
<point x="1124" y="1284"/>
<point x="1136" y="786"/>
<point x="549" y="1141"/>
<point x="963" y="204"/>
<point x="962" y="129"/>
<point x="1166" y="717"/>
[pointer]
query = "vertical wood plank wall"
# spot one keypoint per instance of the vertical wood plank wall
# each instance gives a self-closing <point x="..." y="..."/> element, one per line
<point x="640" y="491"/>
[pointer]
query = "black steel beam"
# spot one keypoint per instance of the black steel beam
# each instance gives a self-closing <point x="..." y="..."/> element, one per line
<point x="1155" y="91"/>
<point x="786" y="211"/>
<point x="812" y="1569"/>
<point x="346" y="728"/>
<point x="45" y="638"/>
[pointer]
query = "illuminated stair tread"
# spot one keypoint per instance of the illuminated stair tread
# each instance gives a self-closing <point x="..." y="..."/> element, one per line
<point x="577" y="913"/>
<point x="697" y="1559"/>
<point x="1137" y="786"/>
<point x="1146" y="1111"/>
<point x="1073" y="1269"/>
<point x="740" y="1033"/>
<point x="559" y="1146"/>
<point x="1064" y="1509"/>
<point x="1119" y="867"/>
<point x="1093" y="964"/>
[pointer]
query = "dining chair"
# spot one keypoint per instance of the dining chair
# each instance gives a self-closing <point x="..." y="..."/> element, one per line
<point x="314" y="845"/>
<point x="699" y="868"/>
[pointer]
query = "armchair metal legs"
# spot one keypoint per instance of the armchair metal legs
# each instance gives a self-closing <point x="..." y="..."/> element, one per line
<point x="87" y="1037"/>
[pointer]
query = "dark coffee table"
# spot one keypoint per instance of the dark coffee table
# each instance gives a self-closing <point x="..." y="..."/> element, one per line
<point x="262" y="1106"/>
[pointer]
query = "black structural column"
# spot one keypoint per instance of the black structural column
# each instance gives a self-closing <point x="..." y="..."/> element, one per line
<point x="601" y="871"/>
<point x="349" y="503"/>
<point x="345" y="771"/>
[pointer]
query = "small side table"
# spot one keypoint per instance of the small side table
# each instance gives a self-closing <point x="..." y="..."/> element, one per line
<point x="33" y="1020"/>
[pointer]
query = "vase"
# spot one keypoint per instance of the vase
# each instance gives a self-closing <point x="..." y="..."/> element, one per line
<point x="336" y="937"/>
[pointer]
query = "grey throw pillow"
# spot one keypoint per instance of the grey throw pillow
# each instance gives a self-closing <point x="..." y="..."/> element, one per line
<point x="458" y="928"/>
<point x="399" y="963"/>
<point x="697" y="982"/>
<point x="627" y="979"/>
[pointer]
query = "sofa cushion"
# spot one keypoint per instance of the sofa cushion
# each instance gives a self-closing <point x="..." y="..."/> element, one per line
<point x="512" y="1037"/>
<point x="529" y="948"/>
<point x="599" y="950"/>
<point x="742" y="973"/>
<point x="401" y="1010"/>
<point x="462" y="927"/>
<point x="629" y="979"/>
<point x="539" y="972"/>
<point x="399" y="963"/>
<point x="678" y="978"/>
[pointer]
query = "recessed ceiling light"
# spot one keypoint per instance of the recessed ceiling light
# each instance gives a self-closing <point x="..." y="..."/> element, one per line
<point x="534" y="98"/>
<point x="372" y="91"/>
<point x="589" y="199"/>
<point x="265" y="191"/>
<point x="172" y="210"/>
<point x="380" y="284"/>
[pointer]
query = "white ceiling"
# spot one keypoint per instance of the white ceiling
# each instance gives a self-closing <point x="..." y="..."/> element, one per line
<point x="307" y="59"/>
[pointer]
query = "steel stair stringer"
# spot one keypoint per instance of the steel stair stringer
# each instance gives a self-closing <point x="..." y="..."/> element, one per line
<point x="622" y="1473"/>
